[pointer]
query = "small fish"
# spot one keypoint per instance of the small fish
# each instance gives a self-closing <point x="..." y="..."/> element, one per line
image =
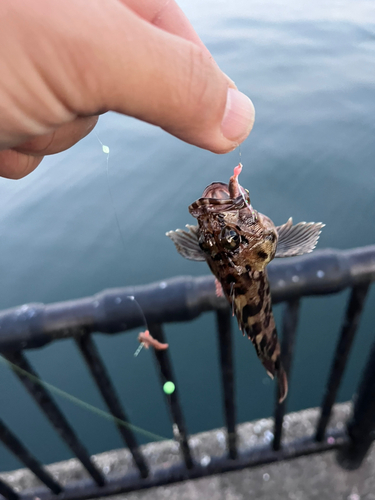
<point x="237" y="242"/>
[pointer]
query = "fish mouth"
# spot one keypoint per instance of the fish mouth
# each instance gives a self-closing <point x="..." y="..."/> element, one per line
<point x="220" y="197"/>
<point x="217" y="191"/>
<point x="221" y="191"/>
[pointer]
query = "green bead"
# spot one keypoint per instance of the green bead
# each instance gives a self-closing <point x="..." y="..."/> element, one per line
<point x="169" y="387"/>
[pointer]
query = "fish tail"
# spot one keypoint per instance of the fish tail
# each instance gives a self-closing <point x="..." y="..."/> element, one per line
<point x="282" y="383"/>
<point x="282" y="379"/>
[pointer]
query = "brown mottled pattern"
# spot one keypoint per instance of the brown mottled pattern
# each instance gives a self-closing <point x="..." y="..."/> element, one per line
<point x="241" y="272"/>
<point x="238" y="242"/>
<point x="252" y="306"/>
<point x="258" y="323"/>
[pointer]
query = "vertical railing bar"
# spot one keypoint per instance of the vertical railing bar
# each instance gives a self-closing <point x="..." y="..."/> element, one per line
<point x="223" y="318"/>
<point x="290" y="323"/>
<point x="166" y="374"/>
<point x="348" y="330"/>
<point x="18" y="449"/>
<point x="8" y="492"/>
<point x="361" y="427"/>
<point x="45" y="401"/>
<point x="102" y="379"/>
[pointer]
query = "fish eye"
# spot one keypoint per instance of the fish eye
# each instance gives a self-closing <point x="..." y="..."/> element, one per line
<point x="229" y="238"/>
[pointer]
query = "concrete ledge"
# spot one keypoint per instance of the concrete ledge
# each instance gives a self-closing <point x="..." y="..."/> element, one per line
<point x="312" y="477"/>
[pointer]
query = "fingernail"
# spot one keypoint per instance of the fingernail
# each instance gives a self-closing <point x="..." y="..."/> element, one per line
<point x="238" y="116"/>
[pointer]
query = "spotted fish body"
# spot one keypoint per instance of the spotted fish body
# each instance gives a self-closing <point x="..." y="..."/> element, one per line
<point x="238" y="242"/>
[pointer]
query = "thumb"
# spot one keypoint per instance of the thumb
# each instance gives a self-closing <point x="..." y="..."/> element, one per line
<point x="169" y="81"/>
<point x="140" y="70"/>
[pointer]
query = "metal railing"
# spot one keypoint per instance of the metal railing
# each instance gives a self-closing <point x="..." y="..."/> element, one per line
<point x="182" y="299"/>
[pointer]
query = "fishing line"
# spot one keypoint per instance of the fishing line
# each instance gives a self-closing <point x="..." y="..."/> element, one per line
<point x="139" y="349"/>
<point x="141" y="345"/>
<point x="252" y="211"/>
<point x="167" y="389"/>
<point x="69" y="397"/>
<point x="106" y="151"/>
<point x="80" y="402"/>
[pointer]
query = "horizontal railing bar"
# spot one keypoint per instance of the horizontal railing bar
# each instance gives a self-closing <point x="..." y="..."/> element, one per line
<point x="178" y="299"/>
<point x="169" y="475"/>
<point x="7" y="492"/>
<point x="101" y="377"/>
<point x="224" y="329"/>
<point x="166" y="374"/>
<point x="349" y="328"/>
<point x="46" y="403"/>
<point x="22" y="453"/>
<point x="290" y="323"/>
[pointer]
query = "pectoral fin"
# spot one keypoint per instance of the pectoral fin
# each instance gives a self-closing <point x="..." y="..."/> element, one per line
<point x="186" y="243"/>
<point x="298" y="239"/>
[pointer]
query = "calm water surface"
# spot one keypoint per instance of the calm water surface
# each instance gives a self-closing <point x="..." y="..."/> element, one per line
<point x="309" y="68"/>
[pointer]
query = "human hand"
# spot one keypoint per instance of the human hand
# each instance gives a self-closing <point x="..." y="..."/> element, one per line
<point x="64" y="63"/>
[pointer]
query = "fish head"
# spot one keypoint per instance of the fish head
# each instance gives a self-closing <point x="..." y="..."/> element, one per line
<point x="246" y="242"/>
<point x="231" y="231"/>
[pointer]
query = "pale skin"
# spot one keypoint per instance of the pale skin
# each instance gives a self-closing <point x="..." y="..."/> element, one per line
<point x="62" y="64"/>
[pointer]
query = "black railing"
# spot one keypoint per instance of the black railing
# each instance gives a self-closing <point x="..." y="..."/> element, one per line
<point x="182" y="299"/>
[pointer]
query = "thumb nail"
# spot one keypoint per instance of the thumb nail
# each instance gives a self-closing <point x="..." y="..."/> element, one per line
<point x="238" y="117"/>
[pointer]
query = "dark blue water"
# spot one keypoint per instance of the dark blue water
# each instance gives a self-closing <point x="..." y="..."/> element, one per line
<point x="309" y="68"/>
